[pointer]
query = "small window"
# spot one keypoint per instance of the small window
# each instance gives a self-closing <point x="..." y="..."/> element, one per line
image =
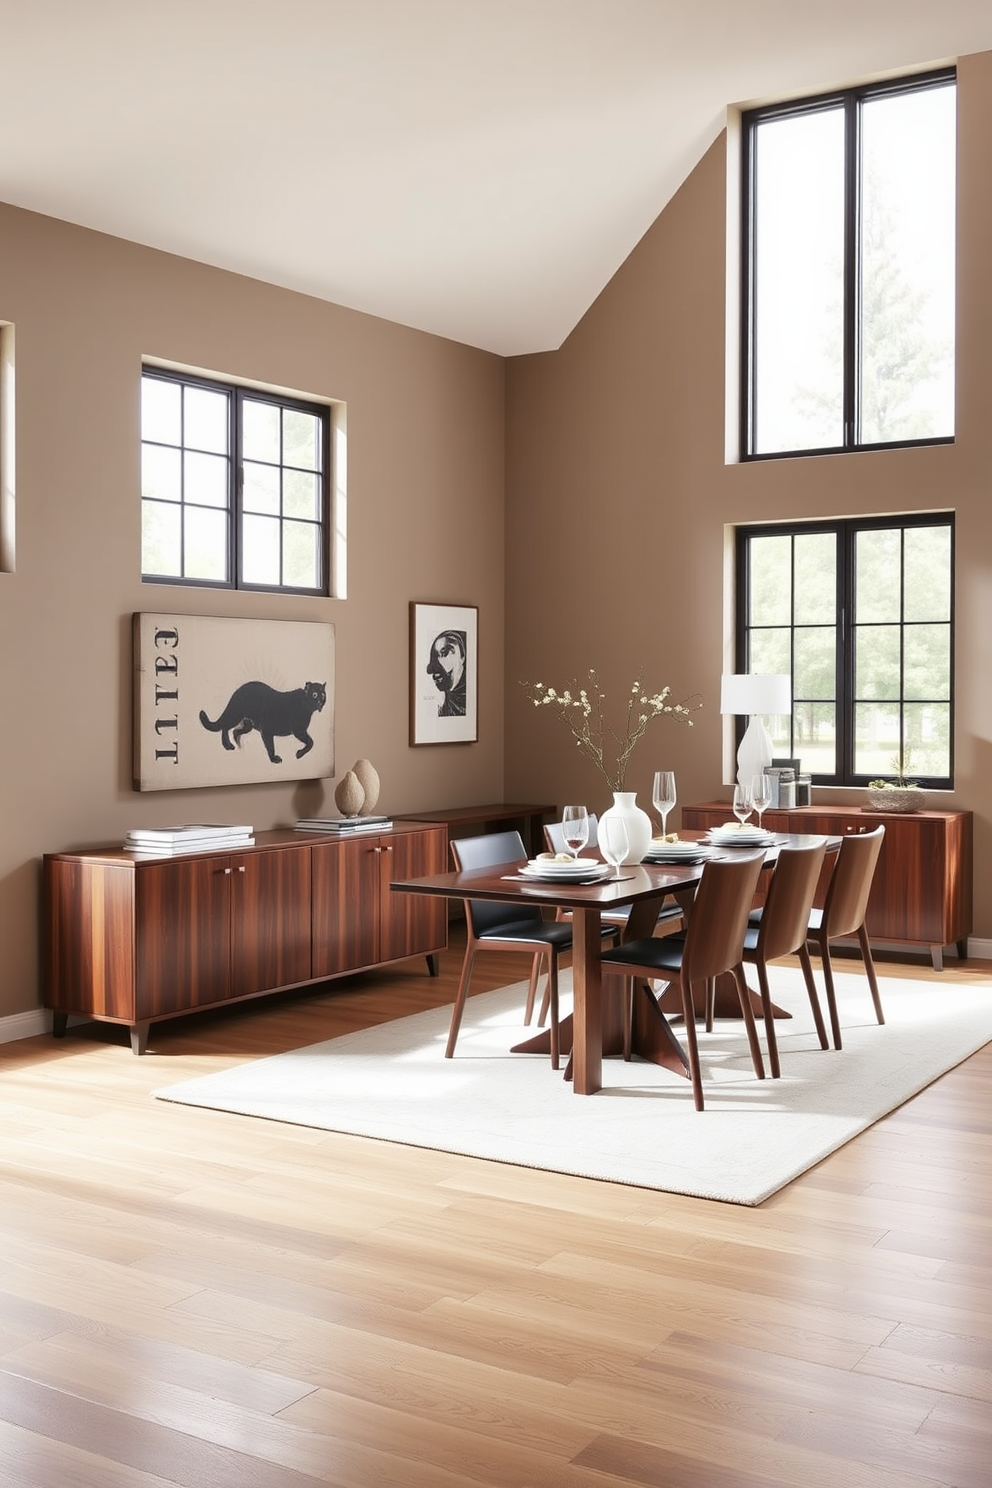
<point x="849" y="270"/>
<point x="234" y="486"/>
<point x="860" y="614"/>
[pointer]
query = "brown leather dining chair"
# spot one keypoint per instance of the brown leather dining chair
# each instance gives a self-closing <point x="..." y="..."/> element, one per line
<point x="712" y="945"/>
<point x="844" y="910"/>
<point x="781" y="930"/>
<point x="508" y="927"/>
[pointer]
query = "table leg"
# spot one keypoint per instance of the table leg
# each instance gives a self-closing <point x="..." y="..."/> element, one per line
<point x="587" y="1004"/>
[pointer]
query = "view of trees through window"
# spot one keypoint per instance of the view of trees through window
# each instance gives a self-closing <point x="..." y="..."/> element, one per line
<point x="860" y="615"/>
<point x="850" y="269"/>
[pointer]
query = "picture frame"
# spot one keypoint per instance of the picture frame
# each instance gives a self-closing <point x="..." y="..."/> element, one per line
<point x="220" y="701"/>
<point x="444" y="683"/>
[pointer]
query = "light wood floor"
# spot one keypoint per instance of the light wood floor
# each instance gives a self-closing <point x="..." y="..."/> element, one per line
<point x="193" y="1298"/>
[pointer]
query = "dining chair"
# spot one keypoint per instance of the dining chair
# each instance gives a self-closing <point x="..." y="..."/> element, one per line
<point x="670" y="916"/>
<point x="508" y="927"/>
<point x="781" y="930"/>
<point x="713" y="944"/>
<point x="844" y="910"/>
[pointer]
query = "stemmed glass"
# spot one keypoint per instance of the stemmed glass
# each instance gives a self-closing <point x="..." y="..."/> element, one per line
<point x="613" y="841"/>
<point x="663" y="795"/>
<point x="575" y="829"/>
<point x="743" y="805"/>
<point x="761" y="795"/>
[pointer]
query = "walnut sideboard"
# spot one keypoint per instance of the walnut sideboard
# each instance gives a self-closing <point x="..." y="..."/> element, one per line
<point x="135" y="940"/>
<point x="922" y="891"/>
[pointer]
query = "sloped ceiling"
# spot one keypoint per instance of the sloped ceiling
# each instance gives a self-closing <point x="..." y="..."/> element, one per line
<point x="472" y="168"/>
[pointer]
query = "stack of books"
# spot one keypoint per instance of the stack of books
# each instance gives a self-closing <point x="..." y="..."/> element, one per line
<point x="160" y="842"/>
<point x="343" y="824"/>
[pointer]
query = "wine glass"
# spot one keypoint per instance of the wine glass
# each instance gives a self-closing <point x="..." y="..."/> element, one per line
<point x="663" y="795"/>
<point x="761" y="794"/>
<point x="743" y="805"/>
<point x="613" y="841"/>
<point x="575" y="829"/>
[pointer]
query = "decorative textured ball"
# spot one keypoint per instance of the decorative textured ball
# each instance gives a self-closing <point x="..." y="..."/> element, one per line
<point x="365" y="773"/>
<point x="349" y="797"/>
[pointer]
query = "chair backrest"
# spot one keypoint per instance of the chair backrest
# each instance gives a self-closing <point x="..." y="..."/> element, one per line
<point x="555" y="839"/>
<point x="492" y="850"/>
<point x="846" y="903"/>
<point x="715" y="938"/>
<point x="785" y="916"/>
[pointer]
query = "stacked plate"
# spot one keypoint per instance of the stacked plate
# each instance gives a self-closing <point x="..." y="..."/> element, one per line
<point x="550" y="870"/>
<point x="675" y="852"/>
<point x="737" y="834"/>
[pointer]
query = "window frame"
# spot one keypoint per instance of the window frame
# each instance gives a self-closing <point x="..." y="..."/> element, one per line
<point x="851" y="100"/>
<point x="846" y="530"/>
<point x="236" y="394"/>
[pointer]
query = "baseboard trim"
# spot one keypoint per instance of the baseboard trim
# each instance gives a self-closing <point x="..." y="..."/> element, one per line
<point x="25" y="1025"/>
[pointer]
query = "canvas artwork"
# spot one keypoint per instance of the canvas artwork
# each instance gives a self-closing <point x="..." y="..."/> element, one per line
<point x="443" y="673"/>
<point x="231" y="702"/>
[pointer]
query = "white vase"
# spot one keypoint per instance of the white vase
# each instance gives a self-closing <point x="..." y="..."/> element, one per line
<point x="637" y="822"/>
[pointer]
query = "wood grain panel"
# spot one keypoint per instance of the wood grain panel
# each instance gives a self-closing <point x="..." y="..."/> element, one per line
<point x="345" y="905"/>
<point x="89" y="945"/>
<point x="410" y="923"/>
<point x="270" y="919"/>
<point x="183" y="934"/>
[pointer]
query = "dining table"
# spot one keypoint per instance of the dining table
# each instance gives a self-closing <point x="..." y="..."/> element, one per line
<point x="595" y="1025"/>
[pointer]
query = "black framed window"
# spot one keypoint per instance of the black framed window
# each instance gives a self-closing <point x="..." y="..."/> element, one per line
<point x="849" y="270"/>
<point x="234" y="486"/>
<point x="860" y="614"/>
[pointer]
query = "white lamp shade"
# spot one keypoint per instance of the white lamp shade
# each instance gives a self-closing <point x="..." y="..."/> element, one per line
<point x="756" y="692"/>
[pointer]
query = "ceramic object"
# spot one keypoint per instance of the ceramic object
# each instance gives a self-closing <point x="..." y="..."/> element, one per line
<point x="638" y="824"/>
<point x="899" y="798"/>
<point x="366" y="775"/>
<point x="349" y="797"/>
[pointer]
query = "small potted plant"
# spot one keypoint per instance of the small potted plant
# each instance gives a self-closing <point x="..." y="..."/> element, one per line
<point x="898" y="794"/>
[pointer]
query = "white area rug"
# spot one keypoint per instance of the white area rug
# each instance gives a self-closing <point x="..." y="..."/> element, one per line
<point x="392" y="1082"/>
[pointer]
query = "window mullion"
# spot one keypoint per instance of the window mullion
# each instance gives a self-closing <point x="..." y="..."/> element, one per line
<point x="852" y="273"/>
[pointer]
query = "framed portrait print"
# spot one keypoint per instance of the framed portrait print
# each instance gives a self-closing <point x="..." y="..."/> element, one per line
<point x="444" y="683"/>
<point x="231" y="702"/>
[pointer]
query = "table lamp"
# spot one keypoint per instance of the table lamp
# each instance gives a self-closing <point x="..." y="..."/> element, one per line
<point x="755" y="694"/>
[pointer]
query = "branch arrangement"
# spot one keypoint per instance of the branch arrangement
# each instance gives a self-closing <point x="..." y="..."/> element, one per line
<point x="581" y="709"/>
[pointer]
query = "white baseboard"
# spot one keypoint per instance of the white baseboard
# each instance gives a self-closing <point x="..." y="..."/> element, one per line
<point x="25" y="1025"/>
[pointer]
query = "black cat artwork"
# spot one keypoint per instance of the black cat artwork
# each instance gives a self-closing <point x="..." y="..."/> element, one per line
<point x="256" y="705"/>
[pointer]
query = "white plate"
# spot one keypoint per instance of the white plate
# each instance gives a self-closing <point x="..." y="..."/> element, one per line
<point x="675" y="849"/>
<point x="579" y="869"/>
<point x="591" y="875"/>
<point x="741" y="839"/>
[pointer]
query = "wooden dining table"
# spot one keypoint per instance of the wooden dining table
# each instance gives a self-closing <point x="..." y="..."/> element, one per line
<point x="593" y="1027"/>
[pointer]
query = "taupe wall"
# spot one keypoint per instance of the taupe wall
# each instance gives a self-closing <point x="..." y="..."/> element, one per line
<point x="618" y="497"/>
<point x="425" y="519"/>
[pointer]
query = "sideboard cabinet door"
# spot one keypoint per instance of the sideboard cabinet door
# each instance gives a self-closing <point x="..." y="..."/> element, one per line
<point x="182" y="935"/>
<point x="270" y="920"/>
<point x="411" y="924"/>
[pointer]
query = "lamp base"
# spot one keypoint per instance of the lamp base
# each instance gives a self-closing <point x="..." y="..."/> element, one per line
<point x="755" y="752"/>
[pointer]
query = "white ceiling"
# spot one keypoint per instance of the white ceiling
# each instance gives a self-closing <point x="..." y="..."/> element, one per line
<point x="476" y="168"/>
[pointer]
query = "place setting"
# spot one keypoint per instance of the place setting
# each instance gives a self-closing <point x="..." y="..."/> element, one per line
<point x="742" y="833"/>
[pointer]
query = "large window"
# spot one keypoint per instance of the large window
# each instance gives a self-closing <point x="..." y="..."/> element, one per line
<point x="860" y="614"/>
<point x="849" y="258"/>
<point x="234" y="486"/>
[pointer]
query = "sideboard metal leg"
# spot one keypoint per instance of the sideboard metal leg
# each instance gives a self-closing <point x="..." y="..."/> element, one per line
<point x="60" y="1022"/>
<point x="937" y="957"/>
<point x="434" y="965"/>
